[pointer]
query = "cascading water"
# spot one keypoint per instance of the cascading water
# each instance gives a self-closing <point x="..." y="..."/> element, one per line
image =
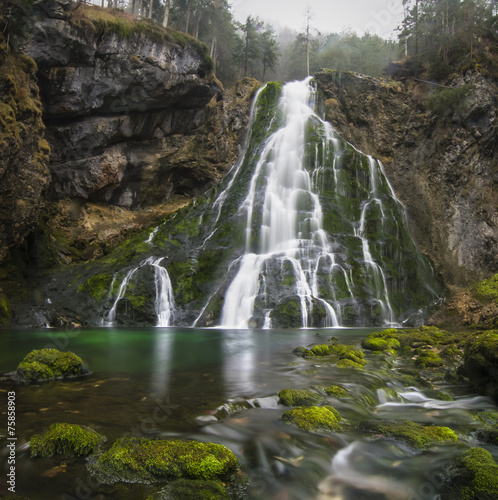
<point x="164" y="302"/>
<point x="324" y="237"/>
<point x="304" y="231"/>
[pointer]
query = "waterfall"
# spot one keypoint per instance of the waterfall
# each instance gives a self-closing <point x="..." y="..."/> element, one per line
<point x="327" y="266"/>
<point x="304" y="231"/>
<point x="164" y="302"/>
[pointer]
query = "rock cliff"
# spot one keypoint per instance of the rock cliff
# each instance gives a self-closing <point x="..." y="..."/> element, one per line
<point x="439" y="151"/>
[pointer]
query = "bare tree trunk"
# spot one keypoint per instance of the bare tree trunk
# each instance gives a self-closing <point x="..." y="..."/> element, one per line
<point x="167" y="7"/>
<point x="150" y="9"/>
<point x="214" y="43"/>
<point x="197" y="24"/>
<point x="187" y="22"/>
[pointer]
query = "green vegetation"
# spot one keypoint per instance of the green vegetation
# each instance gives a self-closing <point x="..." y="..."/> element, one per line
<point x="151" y="460"/>
<point x="446" y="101"/>
<point x="429" y="359"/>
<point x="187" y="489"/>
<point x="113" y="21"/>
<point x="338" y="392"/>
<point x="487" y="289"/>
<point x="299" y="397"/>
<point x="313" y="418"/>
<point x="65" y="439"/>
<point x="473" y="474"/>
<point x="5" y="311"/>
<point x="416" y="435"/>
<point x="49" y="364"/>
<point x="480" y="362"/>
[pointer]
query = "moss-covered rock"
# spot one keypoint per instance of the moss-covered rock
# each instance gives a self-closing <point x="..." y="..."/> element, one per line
<point x="50" y="364"/>
<point x="472" y="474"/>
<point x="153" y="460"/>
<point x="66" y="440"/>
<point x="481" y="363"/>
<point x="187" y="489"/>
<point x="299" y="397"/>
<point x="337" y="391"/>
<point x="416" y="435"/>
<point x="347" y="363"/>
<point x="381" y="341"/>
<point x="313" y="418"/>
<point x="348" y="352"/>
<point x="429" y="359"/>
<point x="437" y="394"/>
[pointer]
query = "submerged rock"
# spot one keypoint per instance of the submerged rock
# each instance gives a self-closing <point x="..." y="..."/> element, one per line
<point x="313" y="418"/>
<point x="481" y="363"/>
<point x="416" y="435"/>
<point x="140" y="460"/>
<point x="186" y="489"/>
<point x="299" y="397"/>
<point x="49" y="364"/>
<point x="65" y="439"/>
<point x="472" y="474"/>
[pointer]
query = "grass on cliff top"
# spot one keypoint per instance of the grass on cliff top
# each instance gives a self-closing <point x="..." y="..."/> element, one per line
<point x="105" y="21"/>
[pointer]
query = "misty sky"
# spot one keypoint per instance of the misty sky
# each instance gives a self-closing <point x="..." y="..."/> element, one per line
<point x="379" y="17"/>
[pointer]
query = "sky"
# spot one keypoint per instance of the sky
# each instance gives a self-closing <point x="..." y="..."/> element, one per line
<point x="380" y="17"/>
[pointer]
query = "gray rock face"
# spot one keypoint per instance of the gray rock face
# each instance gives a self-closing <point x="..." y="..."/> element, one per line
<point x="115" y="106"/>
<point x="444" y="168"/>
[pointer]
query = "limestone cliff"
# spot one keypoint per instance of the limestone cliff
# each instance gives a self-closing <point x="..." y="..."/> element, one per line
<point x="440" y="157"/>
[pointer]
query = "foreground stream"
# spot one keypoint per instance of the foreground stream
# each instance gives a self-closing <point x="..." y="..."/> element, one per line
<point x="221" y="386"/>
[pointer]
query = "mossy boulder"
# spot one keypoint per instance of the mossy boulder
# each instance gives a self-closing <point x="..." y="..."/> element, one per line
<point x="481" y="363"/>
<point x="187" y="489"/>
<point x="154" y="460"/>
<point x="429" y="359"/>
<point x="313" y="418"/>
<point x="348" y="352"/>
<point x="337" y="391"/>
<point x="416" y="435"/>
<point x="299" y="397"/>
<point x="472" y="474"/>
<point x="347" y="363"/>
<point x="382" y="341"/>
<point x="50" y="364"/>
<point x="65" y="440"/>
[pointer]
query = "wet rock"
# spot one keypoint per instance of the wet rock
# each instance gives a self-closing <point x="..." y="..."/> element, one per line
<point x="471" y="474"/>
<point x="415" y="435"/>
<point x="313" y="418"/>
<point x="50" y="364"/>
<point x="148" y="460"/>
<point x="481" y="363"/>
<point x="64" y="440"/>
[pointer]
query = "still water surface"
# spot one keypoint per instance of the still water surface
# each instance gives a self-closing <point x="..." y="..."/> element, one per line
<point x="171" y="382"/>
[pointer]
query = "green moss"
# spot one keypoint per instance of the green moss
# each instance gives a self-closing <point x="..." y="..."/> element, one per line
<point x="437" y="394"/>
<point x="338" y="392"/>
<point x="429" y="359"/>
<point x="287" y="314"/>
<point x="65" y="439"/>
<point x="472" y="474"/>
<point x="5" y="311"/>
<point x="299" y="397"/>
<point x="450" y="352"/>
<point x="321" y="350"/>
<point x="149" y="460"/>
<point x="48" y="364"/>
<point x="480" y="362"/>
<point x="416" y="435"/>
<point x="97" y="286"/>
<point x="348" y="352"/>
<point x="187" y="489"/>
<point x="313" y="418"/>
<point x="347" y="363"/>
<point x="104" y="22"/>
<point x="487" y="289"/>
